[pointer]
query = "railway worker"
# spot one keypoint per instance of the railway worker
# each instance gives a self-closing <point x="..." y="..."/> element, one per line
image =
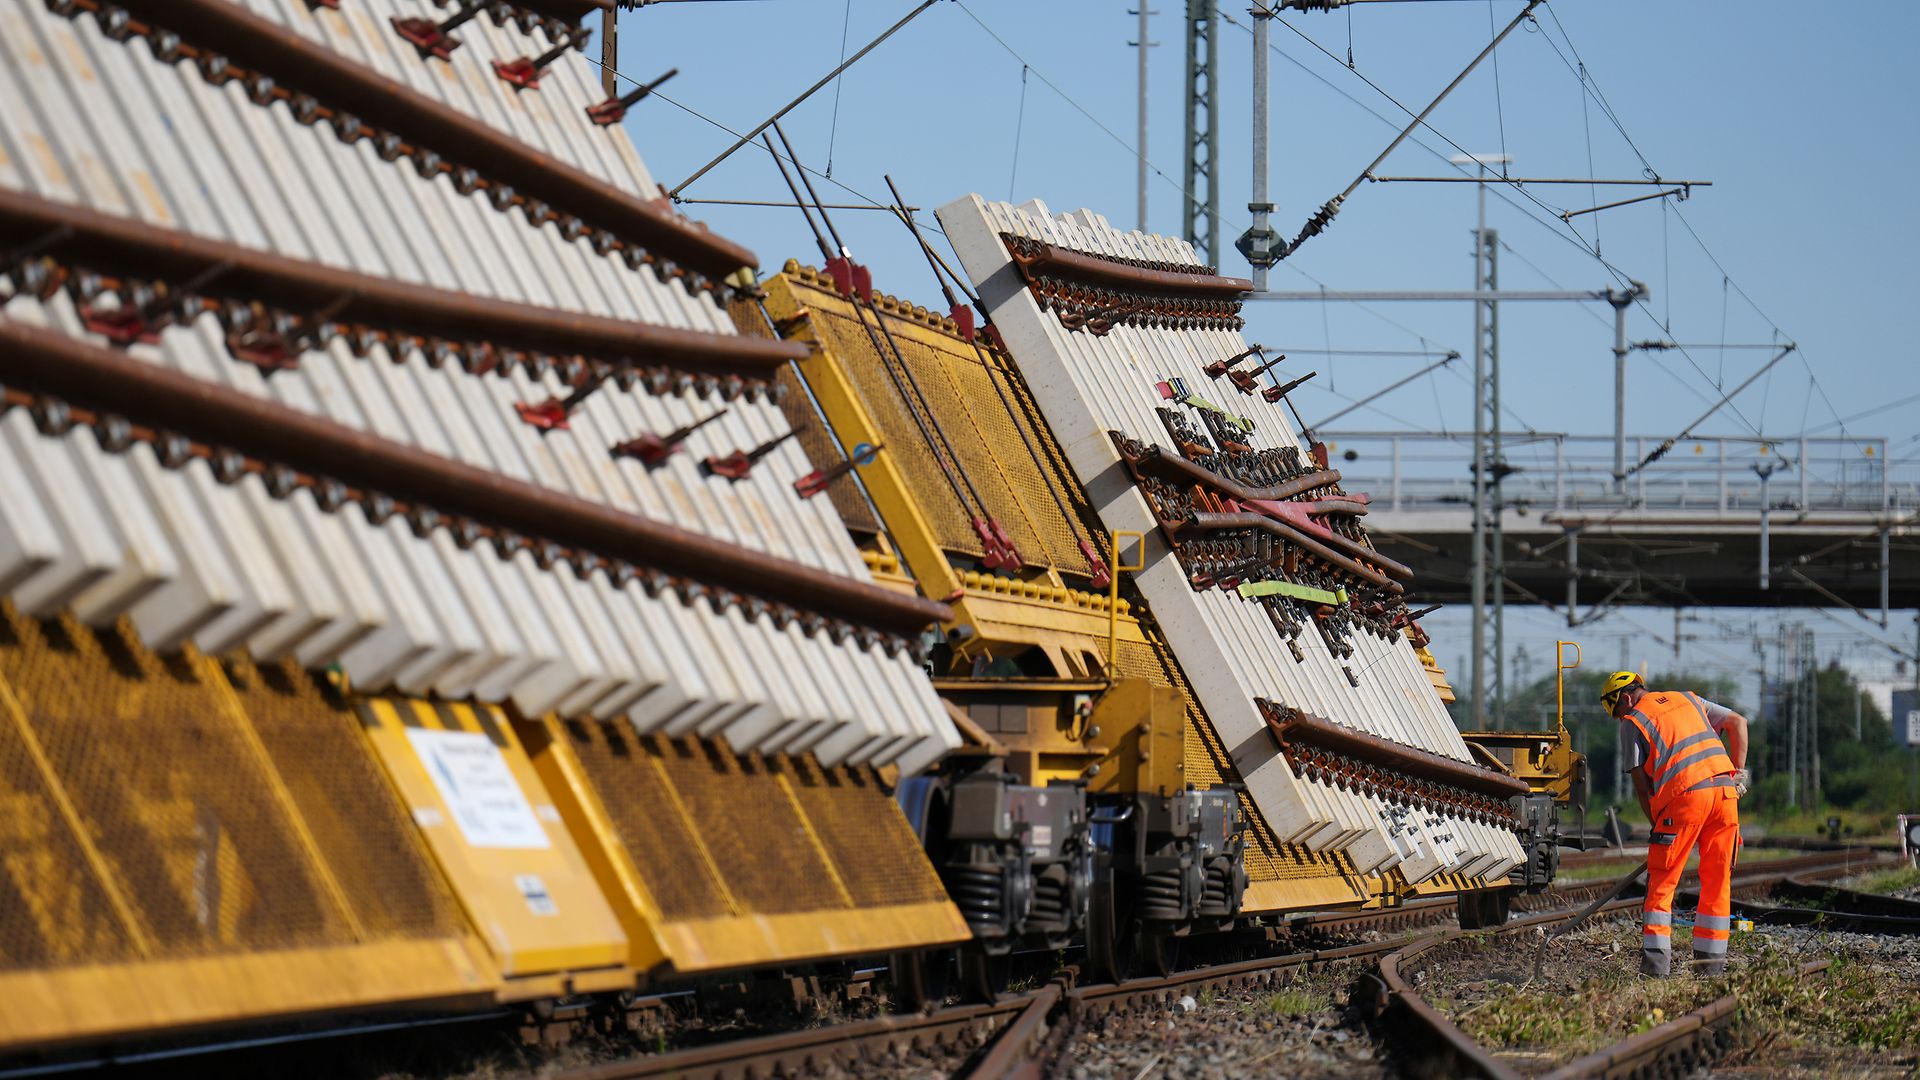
<point x="1689" y="784"/>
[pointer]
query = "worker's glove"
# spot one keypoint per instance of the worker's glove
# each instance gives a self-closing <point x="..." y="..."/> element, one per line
<point x="1742" y="780"/>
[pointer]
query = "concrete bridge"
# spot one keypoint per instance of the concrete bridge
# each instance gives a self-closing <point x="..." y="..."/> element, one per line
<point x="1723" y="521"/>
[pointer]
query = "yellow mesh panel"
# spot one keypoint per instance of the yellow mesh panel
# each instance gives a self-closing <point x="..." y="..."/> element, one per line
<point x="752" y="829"/>
<point x="866" y="835"/>
<point x="803" y="417"/>
<point x="176" y="800"/>
<point x="624" y="769"/>
<point x="53" y="910"/>
<point x="982" y="415"/>
<point x="351" y="811"/>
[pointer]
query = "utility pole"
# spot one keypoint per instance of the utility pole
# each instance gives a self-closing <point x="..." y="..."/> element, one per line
<point x="1486" y="392"/>
<point x="1201" y="212"/>
<point x="1620" y="302"/>
<point x="1259" y="244"/>
<point x="1792" y="706"/>
<point x="1760" y="696"/>
<point x="1496" y="540"/>
<point x="1619" y="755"/>
<point x="1813" y="724"/>
<point x="1140" y="173"/>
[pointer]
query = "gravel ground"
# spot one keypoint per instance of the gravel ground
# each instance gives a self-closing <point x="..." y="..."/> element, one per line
<point x="1861" y="1018"/>
<point x="1303" y="1029"/>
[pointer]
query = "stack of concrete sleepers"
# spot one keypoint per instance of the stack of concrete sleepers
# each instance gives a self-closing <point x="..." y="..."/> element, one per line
<point x="1088" y="385"/>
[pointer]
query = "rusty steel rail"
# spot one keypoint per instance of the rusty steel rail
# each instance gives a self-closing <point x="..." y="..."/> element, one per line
<point x="1803" y="889"/>
<point x="1320" y="546"/>
<point x="1160" y="279"/>
<point x="1157" y="462"/>
<point x="1294" y="727"/>
<point x="1842" y="916"/>
<point x="792" y="1053"/>
<point x="1450" y="1051"/>
<point x="113" y="245"/>
<point x="1027" y="1049"/>
<point x="571" y="10"/>
<point x="1016" y="1048"/>
<point x="263" y="48"/>
<point x="86" y="376"/>
<point x="1026" y="1030"/>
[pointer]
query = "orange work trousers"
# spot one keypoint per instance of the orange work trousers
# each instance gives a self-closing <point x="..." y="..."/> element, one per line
<point x="1709" y="817"/>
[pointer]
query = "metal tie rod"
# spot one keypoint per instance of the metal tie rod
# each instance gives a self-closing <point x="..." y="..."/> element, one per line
<point x="1378" y="394"/>
<point x="786" y="205"/>
<point x="1314" y="351"/>
<point x="1518" y="180"/>
<point x="1569" y="215"/>
<point x="1480" y="295"/>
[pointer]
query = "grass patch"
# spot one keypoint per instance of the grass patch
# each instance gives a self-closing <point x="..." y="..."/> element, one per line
<point x="1887" y="881"/>
<point x="1295" y="1001"/>
<point x="1617" y="868"/>
<point x="1612" y="868"/>
<point x="1856" y="1006"/>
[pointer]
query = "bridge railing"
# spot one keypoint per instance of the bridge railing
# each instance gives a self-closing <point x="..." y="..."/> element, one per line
<point x="1553" y="471"/>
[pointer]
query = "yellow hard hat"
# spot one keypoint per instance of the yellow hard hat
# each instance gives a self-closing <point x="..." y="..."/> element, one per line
<point x="1616" y="683"/>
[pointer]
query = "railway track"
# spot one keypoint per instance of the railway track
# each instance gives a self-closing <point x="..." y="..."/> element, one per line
<point x="1438" y="1047"/>
<point x="1023" y="1035"/>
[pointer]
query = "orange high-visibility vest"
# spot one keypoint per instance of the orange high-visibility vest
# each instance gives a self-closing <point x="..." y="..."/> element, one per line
<point x="1683" y="751"/>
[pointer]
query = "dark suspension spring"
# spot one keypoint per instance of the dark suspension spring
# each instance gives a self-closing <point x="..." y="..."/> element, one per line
<point x="979" y="893"/>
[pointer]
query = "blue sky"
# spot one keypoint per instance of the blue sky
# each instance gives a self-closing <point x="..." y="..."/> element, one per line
<point x="1801" y="119"/>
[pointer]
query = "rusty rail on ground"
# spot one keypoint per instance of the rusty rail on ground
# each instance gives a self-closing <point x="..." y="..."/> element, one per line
<point x="1447" y="1050"/>
<point x="791" y="1053"/>
<point x="1027" y="1031"/>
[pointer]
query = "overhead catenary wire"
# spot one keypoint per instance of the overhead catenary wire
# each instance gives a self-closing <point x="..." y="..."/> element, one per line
<point x="1592" y="86"/>
<point x="1566" y="232"/>
<point x="809" y="92"/>
<point x="1660" y="451"/>
<point x="1219" y="218"/>
<point x="872" y="203"/>
<point x="839" y="82"/>
<point x="1383" y="392"/>
<point x="1318" y="222"/>
<point x="1019" y="128"/>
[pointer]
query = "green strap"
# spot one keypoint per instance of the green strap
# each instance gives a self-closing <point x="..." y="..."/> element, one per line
<point x="1251" y="589"/>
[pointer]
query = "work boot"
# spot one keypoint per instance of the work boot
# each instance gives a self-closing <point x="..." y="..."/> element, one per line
<point x="1708" y="967"/>
<point x="1656" y="962"/>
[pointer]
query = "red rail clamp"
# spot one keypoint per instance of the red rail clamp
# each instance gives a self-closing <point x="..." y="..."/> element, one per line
<point x="653" y="450"/>
<point x="820" y="480"/>
<point x="435" y="39"/>
<point x="737" y="465"/>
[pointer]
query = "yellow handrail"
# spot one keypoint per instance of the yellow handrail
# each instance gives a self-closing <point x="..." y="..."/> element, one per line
<point x="1560" y="669"/>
